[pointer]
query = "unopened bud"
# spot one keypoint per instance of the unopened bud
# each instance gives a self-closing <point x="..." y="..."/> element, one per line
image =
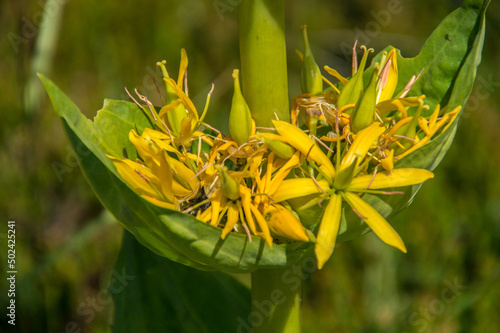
<point x="364" y="111"/>
<point x="310" y="75"/>
<point x="229" y="186"/>
<point x="240" y="118"/>
<point x="281" y="149"/>
<point x="353" y="89"/>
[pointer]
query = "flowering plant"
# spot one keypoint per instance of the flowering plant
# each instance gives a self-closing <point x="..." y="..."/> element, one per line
<point x="278" y="188"/>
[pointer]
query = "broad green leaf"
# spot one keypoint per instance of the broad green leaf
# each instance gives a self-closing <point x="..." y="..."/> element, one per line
<point x="169" y="233"/>
<point x="154" y="294"/>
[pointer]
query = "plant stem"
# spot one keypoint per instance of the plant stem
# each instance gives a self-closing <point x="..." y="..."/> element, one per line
<point x="276" y="294"/>
<point x="263" y="59"/>
<point x="277" y="300"/>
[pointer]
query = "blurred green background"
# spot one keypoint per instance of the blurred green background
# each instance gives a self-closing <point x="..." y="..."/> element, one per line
<point x="66" y="244"/>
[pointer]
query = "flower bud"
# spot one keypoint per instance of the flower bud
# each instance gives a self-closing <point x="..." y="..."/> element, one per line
<point x="229" y="186"/>
<point x="310" y="75"/>
<point x="364" y="111"/>
<point x="281" y="149"/>
<point x="353" y="89"/>
<point x="240" y="119"/>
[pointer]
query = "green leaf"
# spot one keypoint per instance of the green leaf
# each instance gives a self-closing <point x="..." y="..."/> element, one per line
<point x="174" y="235"/>
<point x="449" y="58"/>
<point x="154" y="294"/>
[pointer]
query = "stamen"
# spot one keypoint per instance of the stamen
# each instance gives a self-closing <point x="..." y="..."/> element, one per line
<point x="142" y="176"/>
<point x="168" y="131"/>
<point x="148" y="103"/>
<point x="158" y="90"/>
<point x="201" y="171"/>
<point x="323" y="144"/>
<point x="265" y="128"/>
<point x="404" y="137"/>
<point x="392" y="192"/>
<point x="373" y="178"/>
<point x="358" y="213"/>
<point x="354" y="58"/>
<point x="212" y="128"/>
<point x="135" y="101"/>
<point x="317" y="184"/>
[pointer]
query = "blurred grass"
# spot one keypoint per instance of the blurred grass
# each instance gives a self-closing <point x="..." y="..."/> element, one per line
<point x="66" y="245"/>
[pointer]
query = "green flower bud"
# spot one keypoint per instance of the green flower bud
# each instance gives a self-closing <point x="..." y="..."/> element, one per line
<point x="310" y="75"/>
<point x="281" y="149"/>
<point x="240" y="119"/>
<point x="230" y="187"/>
<point x="353" y="89"/>
<point x="364" y="111"/>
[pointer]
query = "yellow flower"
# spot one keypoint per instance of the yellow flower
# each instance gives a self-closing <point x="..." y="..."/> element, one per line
<point x="348" y="186"/>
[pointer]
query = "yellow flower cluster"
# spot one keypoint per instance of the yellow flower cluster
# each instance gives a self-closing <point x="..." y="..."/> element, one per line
<point x="250" y="182"/>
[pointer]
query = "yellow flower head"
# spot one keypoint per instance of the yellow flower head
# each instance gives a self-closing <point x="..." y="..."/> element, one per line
<point x="250" y="182"/>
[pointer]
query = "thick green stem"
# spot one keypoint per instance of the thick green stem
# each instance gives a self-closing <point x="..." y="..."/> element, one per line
<point x="263" y="59"/>
<point x="277" y="300"/>
<point x="276" y="293"/>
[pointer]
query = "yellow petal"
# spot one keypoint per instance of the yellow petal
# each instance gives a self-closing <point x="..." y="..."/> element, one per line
<point x="299" y="187"/>
<point x="246" y="202"/>
<point x="396" y="178"/>
<point x="182" y="68"/>
<point x="362" y="143"/>
<point x="328" y="230"/>
<point x="336" y="74"/>
<point x="303" y="143"/>
<point x="389" y="76"/>
<point x="283" y="223"/>
<point x="282" y="173"/>
<point x="127" y="170"/>
<point x="232" y="219"/>
<point x="388" y="105"/>
<point x="263" y="226"/>
<point x="215" y="201"/>
<point x="160" y="203"/>
<point x="388" y="162"/>
<point x="375" y="221"/>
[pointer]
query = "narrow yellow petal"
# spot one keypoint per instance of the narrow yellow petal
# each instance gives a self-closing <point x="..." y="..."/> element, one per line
<point x="166" y="181"/>
<point x="328" y="230"/>
<point x="160" y="203"/>
<point x="129" y="171"/>
<point x="303" y="143"/>
<point x="263" y="226"/>
<point x="299" y="187"/>
<point x="282" y="173"/>
<point x="336" y="74"/>
<point x="182" y="68"/>
<point x="215" y="201"/>
<point x="283" y="223"/>
<point x="388" y="162"/>
<point x="390" y="76"/>
<point x="232" y="219"/>
<point x="375" y="221"/>
<point x="386" y="179"/>
<point x="246" y="202"/>
<point x="188" y="104"/>
<point x="362" y="143"/>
